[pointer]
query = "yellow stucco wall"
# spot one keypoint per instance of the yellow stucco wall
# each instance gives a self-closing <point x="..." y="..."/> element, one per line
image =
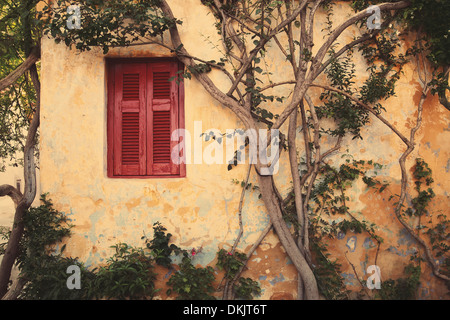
<point x="200" y="210"/>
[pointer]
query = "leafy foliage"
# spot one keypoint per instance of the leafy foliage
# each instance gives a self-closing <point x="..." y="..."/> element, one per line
<point x="106" y="24"/>
<point x="230" y="262"/>
<point x="118" y="23"/>
<point x="247" y="289"/>
<point x="128" y="275"/>
<point x="41" y="264"/>
<point x="434" y="30"/>
<point x="19" y="32"/>
<point x="329" y="280"/>
<point x="402" y="288"/>
<point x="191" y="283"/>
<point x="160" y="247"/>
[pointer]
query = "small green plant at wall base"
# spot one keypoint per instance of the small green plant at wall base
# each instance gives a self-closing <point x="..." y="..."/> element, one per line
<point x="160" y="247"/>
<point x="191" y="283"/>
<point x="232" y="263"/>
<point x="402" y="288"/>
<point x="41" y="262"/>
<point x="128" y="275"/>
<point x="247" y="289"/>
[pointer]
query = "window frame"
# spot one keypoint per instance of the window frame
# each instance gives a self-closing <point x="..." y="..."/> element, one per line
<point x="110" y="102"/>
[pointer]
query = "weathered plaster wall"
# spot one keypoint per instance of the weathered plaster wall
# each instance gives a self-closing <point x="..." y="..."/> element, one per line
<point x="201" y="209"/>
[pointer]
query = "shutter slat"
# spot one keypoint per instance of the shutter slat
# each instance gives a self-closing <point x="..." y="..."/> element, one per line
<point x="161" y="85"/>
<point x="131" y="86"/>
<point x="161" y="136"/>
<point x="130" y="138"/>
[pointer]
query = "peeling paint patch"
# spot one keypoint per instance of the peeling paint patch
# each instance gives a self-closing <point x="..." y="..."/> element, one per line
<point x="351" y="243"/>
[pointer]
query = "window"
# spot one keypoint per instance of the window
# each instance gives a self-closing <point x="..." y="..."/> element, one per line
<point x="144" y="108"/>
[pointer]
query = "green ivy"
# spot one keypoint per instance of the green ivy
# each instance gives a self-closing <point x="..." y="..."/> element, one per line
<point x="104" y="23"/>
<point x="231" y="263"/>
<point x="247" y="289"/>
<point x="128" y="275"/>
<point x="41" y="262"/>
<point x="160" y="247"/>
<point x="402" y="288"/>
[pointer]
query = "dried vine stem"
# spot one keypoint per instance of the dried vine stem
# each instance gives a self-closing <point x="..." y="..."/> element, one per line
<point x="229" y="294"/>
<point x="241" y="203"/>
<point x="229" y="285"/>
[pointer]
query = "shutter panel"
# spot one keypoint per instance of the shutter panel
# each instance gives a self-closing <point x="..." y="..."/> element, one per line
<point x="162" y="117"/>
<point x="130" y="120"/>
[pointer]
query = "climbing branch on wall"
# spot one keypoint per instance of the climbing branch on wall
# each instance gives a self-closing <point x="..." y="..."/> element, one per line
<point x="228" y="287"/>
<point x="424" y="77"/>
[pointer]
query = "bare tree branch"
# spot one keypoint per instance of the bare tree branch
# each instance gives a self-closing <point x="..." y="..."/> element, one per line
<point x="20" y="70"/>
<point x="13" y="193"/>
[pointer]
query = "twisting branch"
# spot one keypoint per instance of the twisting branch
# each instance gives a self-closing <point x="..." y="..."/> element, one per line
<point x="20" y="70"/>
<point x="12" y="248"/>
<point x="10" y="191"/>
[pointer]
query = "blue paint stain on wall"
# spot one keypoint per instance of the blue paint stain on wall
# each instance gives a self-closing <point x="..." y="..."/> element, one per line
<point x="404" y="238"/>
<point x="93" y="259"/>
<point x="95" y="217"/>
<point x="402" y="253"/>
<point x="277" y="279"/>
<point x="349" y="279"/>
<point x="351" y="243"/>
<point x="341" y="235"/>
<point x="368" y="243"/>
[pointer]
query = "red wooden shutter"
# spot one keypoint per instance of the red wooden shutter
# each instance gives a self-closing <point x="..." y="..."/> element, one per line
<point x="130" y="120"/>
<point x="163" y="117"/>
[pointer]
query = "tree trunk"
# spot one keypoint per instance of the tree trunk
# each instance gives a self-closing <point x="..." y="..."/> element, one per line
<point x="12" y="248"/>
<point x="268" y="195"/>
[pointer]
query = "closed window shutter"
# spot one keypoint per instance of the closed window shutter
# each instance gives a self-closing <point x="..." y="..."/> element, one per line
<point x="163" y="117"/>
<point x="130" y="120"/>
<point x="143" y="110"/>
